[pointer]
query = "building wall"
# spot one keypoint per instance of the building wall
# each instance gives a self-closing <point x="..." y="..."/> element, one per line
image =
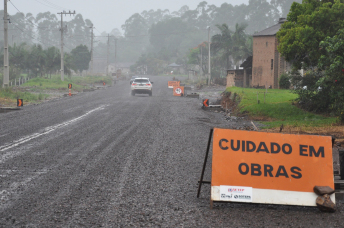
<point x="247" y="81"/>
<point x="264" y="50"/>
<point x="230" y="78"/>
<point x="235" y="78"/>
<point x="239" y="78"/>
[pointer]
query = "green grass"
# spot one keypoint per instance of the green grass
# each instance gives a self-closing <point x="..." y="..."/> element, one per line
<point x="55" y="83"/>
<point x="8" y="93"/>
<point x="37" y="86"/>
<point x="278" y="108"/>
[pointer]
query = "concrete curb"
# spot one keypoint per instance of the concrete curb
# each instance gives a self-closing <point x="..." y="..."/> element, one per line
<point x="9" y="109"/>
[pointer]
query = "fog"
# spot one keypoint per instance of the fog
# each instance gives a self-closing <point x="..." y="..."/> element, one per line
<point x="146" y="35"/>
<point x="107" y="14"/>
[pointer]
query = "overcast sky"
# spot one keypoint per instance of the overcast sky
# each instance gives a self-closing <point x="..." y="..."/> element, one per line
<point x="107" y="14"/>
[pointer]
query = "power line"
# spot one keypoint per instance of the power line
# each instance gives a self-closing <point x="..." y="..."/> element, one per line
<point x="42" y="42"/>
<point x="97" y="30"/>
<point x="53" y="4"/>
<point x="15" y="7"/>
<point x="24" y="16"/>
<point x="56" y="8"/>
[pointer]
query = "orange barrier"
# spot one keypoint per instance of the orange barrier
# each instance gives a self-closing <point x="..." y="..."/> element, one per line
<point x="178" y="91"/>
<point x="171" y="84"/>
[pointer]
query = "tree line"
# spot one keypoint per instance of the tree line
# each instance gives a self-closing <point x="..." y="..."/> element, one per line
<point x="159" y="35"/>
<point x="163" y="37"/>
<point x="35" y="61"/>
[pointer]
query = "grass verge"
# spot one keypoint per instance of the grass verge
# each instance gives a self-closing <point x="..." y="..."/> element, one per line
<point x="277" y="108"/>
<point x="38" y="89"/>
<point x="8" y="96"/>
<point x="55" y="83"/>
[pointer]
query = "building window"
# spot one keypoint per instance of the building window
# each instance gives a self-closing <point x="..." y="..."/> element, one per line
<point x="272" y="64"/>
<point x="267" y="43"/>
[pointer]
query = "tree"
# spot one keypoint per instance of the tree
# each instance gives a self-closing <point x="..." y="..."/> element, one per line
<point x="241" y="46"/>
<point x="81" y="57"/>
<point x="69" y="64"/>
<point x="36" y="60"/>
<point x="333" y="64"/>
<point x="48" y="29"/>
<point x="193" y="56"/>
<point x="308" y="24"/>
<point x="223" y="44"/>
<point x="53" y="61"/>
<point x="260" y="15"/>
<point x="166" y="37"/>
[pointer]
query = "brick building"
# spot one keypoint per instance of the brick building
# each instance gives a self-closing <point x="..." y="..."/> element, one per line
<point x="268" y="64"/>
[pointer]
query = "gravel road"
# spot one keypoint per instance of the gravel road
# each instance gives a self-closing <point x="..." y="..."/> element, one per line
<point x="107" y="159"/>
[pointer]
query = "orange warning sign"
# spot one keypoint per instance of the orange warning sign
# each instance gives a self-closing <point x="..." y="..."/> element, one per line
<point x="206" y="102"/>
<point x="279" y="168"/>
<point x="20" y="103"/>
<point x="70" y="86"/>
<point x="178" y="91"/>
<point x="171" y="84"/>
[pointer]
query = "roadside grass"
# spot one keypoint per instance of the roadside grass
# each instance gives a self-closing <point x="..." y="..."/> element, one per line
<point x="89" y="80"/>
<point x="9" y="96"/>
<point x="55" y="83"/>
<point x="35" y="89"/>
<point x="277" y="109"/>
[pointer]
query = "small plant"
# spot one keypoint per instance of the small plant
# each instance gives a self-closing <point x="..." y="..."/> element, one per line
<point x="40" y="96"/>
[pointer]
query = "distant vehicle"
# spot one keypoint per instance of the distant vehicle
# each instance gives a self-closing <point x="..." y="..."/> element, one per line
<point x="133" y="78"/>
<point x="142" y="86"/>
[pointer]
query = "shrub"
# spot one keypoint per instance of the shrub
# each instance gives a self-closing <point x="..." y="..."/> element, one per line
<point x="284" y="81"/>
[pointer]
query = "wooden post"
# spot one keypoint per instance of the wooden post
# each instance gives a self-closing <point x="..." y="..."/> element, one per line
<point x="257" y="98"/>
<point x="264" y="97"/>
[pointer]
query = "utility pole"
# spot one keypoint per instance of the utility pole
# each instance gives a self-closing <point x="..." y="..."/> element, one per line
<point x="6" y="78"/>
<point x="201" y="72"/>
<point x="116" y="56"/>
<point x="92" y="50"/>
<point x="107" y="56"/>
<point x="209" y="69"/>
<point x="62" y="54"/>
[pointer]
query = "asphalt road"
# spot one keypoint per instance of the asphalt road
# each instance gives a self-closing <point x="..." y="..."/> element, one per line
<point x="107" y="159"/>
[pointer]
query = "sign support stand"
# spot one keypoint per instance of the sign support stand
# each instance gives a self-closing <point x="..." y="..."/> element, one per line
<point x="204" y="165"/>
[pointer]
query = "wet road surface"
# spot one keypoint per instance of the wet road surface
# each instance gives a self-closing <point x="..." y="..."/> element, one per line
<point x="107" y="159"/>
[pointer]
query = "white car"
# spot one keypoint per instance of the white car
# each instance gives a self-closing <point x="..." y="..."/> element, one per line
<point x="141" y="86"/>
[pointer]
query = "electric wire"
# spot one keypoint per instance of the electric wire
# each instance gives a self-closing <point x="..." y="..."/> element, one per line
<point x="53" y="4"/>
<point x="21" y="29"/>
<point x="48" y="5"/>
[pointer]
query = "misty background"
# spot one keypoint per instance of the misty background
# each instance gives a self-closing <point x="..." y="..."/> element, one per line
<point x="154" y="33"/>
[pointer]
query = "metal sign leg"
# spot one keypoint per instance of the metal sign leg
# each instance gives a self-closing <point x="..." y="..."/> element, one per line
<point x="204" y="164"/>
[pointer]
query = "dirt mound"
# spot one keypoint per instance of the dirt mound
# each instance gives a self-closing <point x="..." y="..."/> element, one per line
<point x="229" y="101"/>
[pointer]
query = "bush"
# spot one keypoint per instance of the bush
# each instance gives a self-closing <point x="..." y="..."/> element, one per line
<point x="315" y="93"/>
<point x="284" y="81"/>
